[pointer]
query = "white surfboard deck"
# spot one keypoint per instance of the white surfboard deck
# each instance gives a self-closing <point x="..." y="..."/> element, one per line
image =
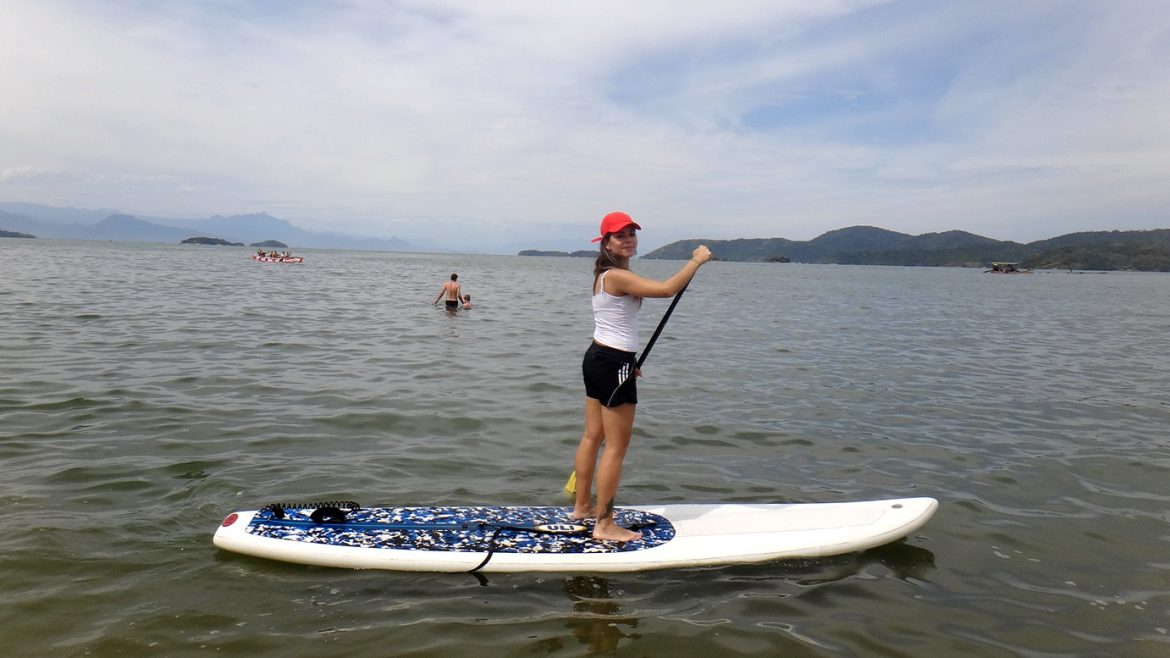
<point x="695" y="535"/>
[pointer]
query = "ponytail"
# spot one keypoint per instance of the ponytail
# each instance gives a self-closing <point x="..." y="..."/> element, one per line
<point x="605" y="260"/>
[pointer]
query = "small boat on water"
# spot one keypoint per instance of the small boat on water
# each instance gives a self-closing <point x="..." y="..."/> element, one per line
<point x="1007" y="268"/>
<point x="278" y="259"/>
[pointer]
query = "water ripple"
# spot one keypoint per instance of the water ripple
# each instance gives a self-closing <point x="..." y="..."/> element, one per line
<point x="146" y="390"/>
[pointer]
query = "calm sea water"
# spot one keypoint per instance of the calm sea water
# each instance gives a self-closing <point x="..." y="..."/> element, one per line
<point x="148" y="390"/>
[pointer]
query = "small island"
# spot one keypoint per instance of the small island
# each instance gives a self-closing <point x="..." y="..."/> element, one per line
<point x="14" y="234"/>
<point x="270" y="244"/>
<point x="586" y="253"/>
<point x="212" y="241"/>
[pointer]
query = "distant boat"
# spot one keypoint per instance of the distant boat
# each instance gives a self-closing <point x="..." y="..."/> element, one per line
<point x="1007" y="268"/>
<point x="277" y="259"/>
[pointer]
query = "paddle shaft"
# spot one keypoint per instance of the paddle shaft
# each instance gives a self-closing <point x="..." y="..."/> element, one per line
<point x="657" y="331"/>
<point x="661" y="324"/>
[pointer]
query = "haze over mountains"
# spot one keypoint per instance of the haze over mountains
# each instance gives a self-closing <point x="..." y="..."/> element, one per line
<point x="105" y="224"/>
<point x="1147" y="250"/>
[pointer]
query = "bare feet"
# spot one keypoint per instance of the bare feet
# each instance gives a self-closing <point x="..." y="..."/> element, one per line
<point x="610" y="531"/>
<point x="582" y="513"/>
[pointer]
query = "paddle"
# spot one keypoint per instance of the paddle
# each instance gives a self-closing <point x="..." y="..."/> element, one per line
<point x="571" y="485"/>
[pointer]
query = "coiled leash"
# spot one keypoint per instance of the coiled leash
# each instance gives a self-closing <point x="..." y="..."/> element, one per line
<point x="328" y="511"/>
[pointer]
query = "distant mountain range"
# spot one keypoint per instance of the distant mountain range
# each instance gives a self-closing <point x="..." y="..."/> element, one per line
<point x="88" y="224"/>
<point x="1147" y="250"/>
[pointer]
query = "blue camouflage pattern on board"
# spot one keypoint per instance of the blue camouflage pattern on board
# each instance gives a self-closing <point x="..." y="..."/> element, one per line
<point x="460" y="529"/>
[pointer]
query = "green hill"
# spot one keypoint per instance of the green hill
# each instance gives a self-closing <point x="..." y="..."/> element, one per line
<point x="1147" y="250"/>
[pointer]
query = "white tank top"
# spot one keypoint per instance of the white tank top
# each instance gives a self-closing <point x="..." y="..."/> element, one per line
<point x="615" y="318"/>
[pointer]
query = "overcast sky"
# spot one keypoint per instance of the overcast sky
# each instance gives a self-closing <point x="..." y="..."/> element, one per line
<point x="491" y="121"/>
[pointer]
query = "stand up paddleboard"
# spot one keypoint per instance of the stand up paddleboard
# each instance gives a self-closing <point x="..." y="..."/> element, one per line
<point x="517" y="539"/>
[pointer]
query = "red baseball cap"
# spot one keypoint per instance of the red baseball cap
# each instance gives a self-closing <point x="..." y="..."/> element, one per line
<point x="614" y="222"/>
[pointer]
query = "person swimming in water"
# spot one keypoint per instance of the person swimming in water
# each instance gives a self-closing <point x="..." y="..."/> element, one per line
<point x="452" y="291"/>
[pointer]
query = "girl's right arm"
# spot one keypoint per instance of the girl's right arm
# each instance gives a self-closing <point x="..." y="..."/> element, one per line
<point x="626" y="282"/>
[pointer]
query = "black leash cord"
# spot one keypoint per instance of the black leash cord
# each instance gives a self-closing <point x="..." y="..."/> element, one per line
<point x="491" y="550"/>
<point x="495" y="535"/>
<point x="500" y="528"/>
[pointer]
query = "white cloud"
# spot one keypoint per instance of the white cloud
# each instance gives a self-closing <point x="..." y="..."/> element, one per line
<point x="28" y="172"/>
<point x="742" y="119"/>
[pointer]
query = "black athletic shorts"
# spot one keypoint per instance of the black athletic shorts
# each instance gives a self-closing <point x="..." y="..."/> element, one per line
<point x="609" y="375"/>
<point x="451" y="303"/>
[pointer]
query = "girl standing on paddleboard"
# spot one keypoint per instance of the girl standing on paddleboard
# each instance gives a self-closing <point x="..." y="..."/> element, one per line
<point x="609" y="367"/>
